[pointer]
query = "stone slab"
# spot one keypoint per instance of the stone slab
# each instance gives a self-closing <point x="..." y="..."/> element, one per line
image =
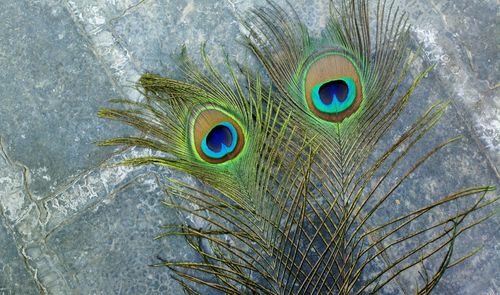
<point x="51" y="86"/>
<point x="14" y="275"/>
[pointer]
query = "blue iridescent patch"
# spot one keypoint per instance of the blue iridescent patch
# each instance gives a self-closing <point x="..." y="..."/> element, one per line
<point x="334" y="96"/>
<point x="220" y="141"/>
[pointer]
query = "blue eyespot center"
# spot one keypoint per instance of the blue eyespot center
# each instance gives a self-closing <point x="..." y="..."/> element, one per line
<point x="218" y="137"/>
<point x="220" y="141"/>
<point x="333" y="89"/>
<point x="334" y="96"/>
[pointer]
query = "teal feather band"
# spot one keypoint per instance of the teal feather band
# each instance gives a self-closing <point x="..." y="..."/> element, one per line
<point x="214" y="144"/>
<point x="338" y="103"/>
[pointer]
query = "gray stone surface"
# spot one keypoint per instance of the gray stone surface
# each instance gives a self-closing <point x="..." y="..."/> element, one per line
<point x="52" y="85"/>
<point x="71" y="226"/>
<point x="15" y="277"/>
<point x="460" y="38"/>
<point x="109" y="249"/>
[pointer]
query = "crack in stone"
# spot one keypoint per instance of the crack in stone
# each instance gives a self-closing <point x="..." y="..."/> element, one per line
<point x="23" y="228"/>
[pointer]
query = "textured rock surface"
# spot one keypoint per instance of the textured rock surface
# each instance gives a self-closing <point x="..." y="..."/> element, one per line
<point x="102" y="253"/>
<point x="15" y="278"/>
<point x="52" y="86"/>
<point x="70" y="226"/>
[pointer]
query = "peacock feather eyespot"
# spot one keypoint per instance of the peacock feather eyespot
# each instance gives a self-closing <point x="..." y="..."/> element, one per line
<point x="220" y="141"/>
<point x="332" y="87"/>
<point x="216" y="135"/>
<point x="334" y="96"/>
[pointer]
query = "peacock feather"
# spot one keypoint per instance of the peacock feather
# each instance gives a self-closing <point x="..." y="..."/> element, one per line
<point x="297" y="191"/>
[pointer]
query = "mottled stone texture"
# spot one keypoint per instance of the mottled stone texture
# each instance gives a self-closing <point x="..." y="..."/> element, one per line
<point x="68" y="225"/>
<point x="14" y="278"/>
<point x="52" y="84"/>
<point x="109" y="249"/>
